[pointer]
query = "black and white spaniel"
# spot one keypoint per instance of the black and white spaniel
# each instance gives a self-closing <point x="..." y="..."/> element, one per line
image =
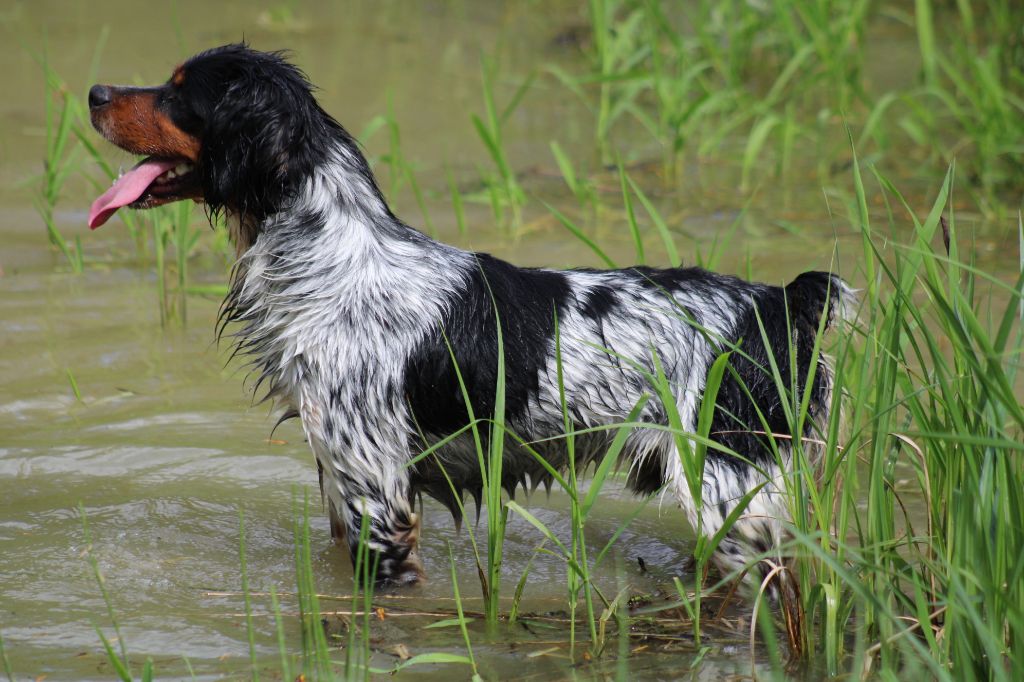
<point x="356" y="323"/>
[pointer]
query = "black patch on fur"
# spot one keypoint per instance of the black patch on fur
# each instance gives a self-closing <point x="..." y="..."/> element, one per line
<point x="790" y="317"/>
<point x="647" y="476"/>
<point x="526" y="301"/>
<point x="599" y="302"/>
<point x="696" y="281"/>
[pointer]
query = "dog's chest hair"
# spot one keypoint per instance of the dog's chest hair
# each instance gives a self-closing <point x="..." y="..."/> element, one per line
<point x="336" y="298"/>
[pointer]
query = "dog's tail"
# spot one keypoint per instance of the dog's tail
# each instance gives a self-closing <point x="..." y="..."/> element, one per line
<point x="814" y="293"/>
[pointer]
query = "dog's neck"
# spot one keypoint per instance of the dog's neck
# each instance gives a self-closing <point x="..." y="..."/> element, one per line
<point x="335" y="259"/>
<point x="341" y="187"/>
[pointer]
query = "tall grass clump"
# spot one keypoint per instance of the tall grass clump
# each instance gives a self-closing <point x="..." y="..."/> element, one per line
<point x="174" y="238"/>
<point x="316" y="658"/>
<point x="503" y="188"/>
<point x="66" y="125"/>
<point x="618" y="47"/>
<point x="700" y="76"/>
<point x="907" y="531"/>
<point x="951" y="408"/>
<point x="973" y="70"/>
<point x="63" y="111"/>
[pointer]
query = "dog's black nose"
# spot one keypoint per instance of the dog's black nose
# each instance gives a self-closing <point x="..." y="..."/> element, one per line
<point x="98" y="96"/>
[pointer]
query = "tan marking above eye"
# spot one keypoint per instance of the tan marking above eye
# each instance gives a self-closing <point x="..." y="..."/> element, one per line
<point x="179" y="76"/>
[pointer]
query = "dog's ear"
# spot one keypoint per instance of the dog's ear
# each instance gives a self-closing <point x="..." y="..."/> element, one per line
<point x="259" y="143"/>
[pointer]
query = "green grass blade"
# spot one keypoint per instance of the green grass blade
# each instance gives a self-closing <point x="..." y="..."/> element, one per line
<point x="462" y="616"/>
<point x="611" y="456"/>
<point x="578" y="233"/>
<point x="659" y="224"/>
<point x="282" y="645"/>
<point x="536" y="523"/>
<point x="634" y="228"/>
<point x="118" y="664"/>
<point x="434" y="657"/>
<point x="5" y="661"/>
<point x="755" y="142"/>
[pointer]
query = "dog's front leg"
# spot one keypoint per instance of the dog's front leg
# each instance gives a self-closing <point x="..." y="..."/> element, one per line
<point x="392" y="529"/>
<point x="363" y="465"/>
<point x="377" y="490"/>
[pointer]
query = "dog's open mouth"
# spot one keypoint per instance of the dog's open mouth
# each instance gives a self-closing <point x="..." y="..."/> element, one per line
<point x="152" y="182"/>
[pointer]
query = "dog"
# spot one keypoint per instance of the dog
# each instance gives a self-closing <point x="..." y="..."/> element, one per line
<point x="385" y="342"/>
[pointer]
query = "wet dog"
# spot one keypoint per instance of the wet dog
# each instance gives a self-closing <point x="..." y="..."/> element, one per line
<point x="385" y="342"/>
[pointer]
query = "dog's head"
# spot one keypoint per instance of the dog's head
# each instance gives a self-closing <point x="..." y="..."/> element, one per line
<point x="235" y="128"/>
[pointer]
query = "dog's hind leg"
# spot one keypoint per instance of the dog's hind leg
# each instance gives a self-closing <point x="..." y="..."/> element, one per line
<point x="758" y="528"/>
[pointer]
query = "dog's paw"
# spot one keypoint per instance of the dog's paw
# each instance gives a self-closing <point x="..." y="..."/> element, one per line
<point x="401" y="573"/>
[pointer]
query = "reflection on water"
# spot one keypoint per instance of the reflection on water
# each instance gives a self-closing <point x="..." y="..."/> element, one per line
<point x="164" y="447"/>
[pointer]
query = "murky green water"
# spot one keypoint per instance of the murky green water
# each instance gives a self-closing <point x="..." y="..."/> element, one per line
<point x="164" y="447"/>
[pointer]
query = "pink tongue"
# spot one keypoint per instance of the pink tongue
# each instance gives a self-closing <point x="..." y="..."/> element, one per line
<point x="127" y="189"/>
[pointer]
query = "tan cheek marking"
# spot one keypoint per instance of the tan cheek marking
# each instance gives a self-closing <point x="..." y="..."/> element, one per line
<point x="412" y="535"/>
<point x="130" y="123"/>
<point x="134" y="124"/>
<point x="175" y="140"/>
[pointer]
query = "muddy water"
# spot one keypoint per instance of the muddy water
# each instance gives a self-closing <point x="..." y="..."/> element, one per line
<point x="163" y="448"/>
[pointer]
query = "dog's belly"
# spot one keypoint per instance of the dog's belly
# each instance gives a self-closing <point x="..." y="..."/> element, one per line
<point x="453" y="469"/>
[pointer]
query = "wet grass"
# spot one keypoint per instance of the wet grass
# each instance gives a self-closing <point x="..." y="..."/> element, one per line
<point x="63" y="110"/>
